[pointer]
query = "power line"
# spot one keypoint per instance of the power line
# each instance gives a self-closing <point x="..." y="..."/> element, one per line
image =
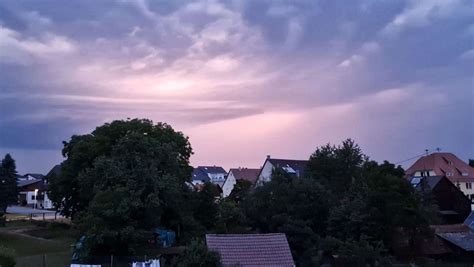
<point x="427" y="151"/>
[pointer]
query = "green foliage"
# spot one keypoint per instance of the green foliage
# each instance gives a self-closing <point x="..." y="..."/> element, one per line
<point x="124" y="180"/>
<point x="72" y="190"/>
<point x="230" y="218"/>
<point x="296" y="207"/>
<point x="240" y="191"/>
<point x="8" y="186"/>
<point x="7" y="257"/>
<point x="345" y="200"/>
<point x="337" y="167"/>
<point x="196" y="254"/>
<point x="204" y="205"/>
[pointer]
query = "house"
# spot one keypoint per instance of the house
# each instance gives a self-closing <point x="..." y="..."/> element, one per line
<point x="33" y="193"/>
<point x="251" y="249"/>
<point x="453" y="205"/>
<point x="237" y="174"/>
<point x="213" y="174"/>
<point x="289" y="166"/>
<point x="445" y="164"/>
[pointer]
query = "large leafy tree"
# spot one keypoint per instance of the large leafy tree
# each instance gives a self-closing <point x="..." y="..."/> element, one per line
<point x="124" y="180"/>
<point x="71" y="190"/>
<point x="8" y="185"/>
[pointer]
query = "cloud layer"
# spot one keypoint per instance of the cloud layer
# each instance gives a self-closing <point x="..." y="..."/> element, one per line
<point x="242" y="78"/>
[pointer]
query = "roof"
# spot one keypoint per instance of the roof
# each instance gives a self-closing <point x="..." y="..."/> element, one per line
<point x="199" y="175"/>
<point x="459" y="235"/>
<point x="442" y="164"/>
<point x="246" y="174"/>
<point x="464" y="240"/>
<point x="251" y="249"/>
<point x="56" y="170"/>
<point x="34" y="175"/>
<point x="212" y="169"/>
<point x="291" y="166"/>
<point x="22" y="183"/>
<point x="469" y="222"/>
<point x="431" y="181"/>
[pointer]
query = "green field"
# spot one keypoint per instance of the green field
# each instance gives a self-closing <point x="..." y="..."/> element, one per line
<point x="35" y="244"/>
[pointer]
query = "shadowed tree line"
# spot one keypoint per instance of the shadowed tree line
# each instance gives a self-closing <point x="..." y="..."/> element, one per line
<point x="128" y="177"/>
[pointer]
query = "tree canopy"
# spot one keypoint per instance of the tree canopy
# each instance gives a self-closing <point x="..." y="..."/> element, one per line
<point x="346" y="205"/>
<point x="125" y="179"/>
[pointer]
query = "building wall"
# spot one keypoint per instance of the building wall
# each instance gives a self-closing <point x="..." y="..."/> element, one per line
<point x="228" y="185"/>
<point x="216" y="177"/>
<point x="265" y="174"/>
<point x="467" y="188"/>
<point x="42" y="200"/>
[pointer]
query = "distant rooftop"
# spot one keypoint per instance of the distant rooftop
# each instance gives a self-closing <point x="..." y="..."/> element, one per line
<point x="251" y="249"/>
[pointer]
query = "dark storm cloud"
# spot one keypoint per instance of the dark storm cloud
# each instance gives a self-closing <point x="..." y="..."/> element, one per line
<point x="68" y="67"/>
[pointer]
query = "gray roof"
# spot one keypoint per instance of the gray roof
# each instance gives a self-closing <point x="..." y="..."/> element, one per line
<point x="464" y="240"/>
<point x="56" y="170"/>
<point x="200" y="173"/>
<point x="431" y="181"/>
<point x="470" y="220"/>
<point x="27" y="182"/>
<point x="212" y="169"/>
<point x="251" y="249"/>
<point x="298" y="166"/>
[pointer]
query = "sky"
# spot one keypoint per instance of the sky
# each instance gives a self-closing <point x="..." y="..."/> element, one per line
<point x="242" y="79"/>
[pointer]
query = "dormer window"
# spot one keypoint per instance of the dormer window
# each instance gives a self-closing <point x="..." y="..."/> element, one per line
<point x="449" y="174"/>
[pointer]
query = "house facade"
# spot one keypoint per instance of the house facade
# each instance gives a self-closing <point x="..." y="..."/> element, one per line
<point x="33" y="193"/>
<point x="213" y="174"/>
<point x="290" y="166"/>
<point x="237" y="174"/>
<point x="445" y="164"/>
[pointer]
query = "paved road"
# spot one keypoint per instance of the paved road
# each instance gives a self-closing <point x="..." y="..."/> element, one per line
<point x="27" y="210"/>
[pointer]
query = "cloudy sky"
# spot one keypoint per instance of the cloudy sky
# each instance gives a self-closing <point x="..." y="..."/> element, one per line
<point x="242" y="79"/>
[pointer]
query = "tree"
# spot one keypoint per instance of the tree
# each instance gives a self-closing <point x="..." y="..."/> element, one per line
<point x="297" y="207"/>
<point x="71" y="191"/>
<point x="8" y="184"/>
<point x="336" y="167"/>
<point x="124" y="180"/>
<point x="196" y="254"/>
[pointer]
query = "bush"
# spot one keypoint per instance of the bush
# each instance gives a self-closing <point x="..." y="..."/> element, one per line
<point x="7" y="257"/>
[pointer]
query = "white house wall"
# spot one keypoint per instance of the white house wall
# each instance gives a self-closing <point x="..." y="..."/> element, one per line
<point x="228" y="185"/>
<point x="266" y="173"/>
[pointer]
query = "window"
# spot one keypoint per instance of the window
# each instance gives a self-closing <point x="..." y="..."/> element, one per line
<point x="458" y="185"/>
<point x="32" y="197"/>
<point x="472" y="196"/>
<point x="468" y="186"/>
<point x="449" y="174"/>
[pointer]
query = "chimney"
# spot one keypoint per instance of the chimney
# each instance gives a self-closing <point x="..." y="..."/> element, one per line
<point x="268" y="156"/>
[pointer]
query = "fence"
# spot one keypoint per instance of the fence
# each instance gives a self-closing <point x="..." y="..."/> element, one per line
<point x="59" y="259"/>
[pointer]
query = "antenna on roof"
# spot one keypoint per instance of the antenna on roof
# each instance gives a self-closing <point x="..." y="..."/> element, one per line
<point x="438" y="149"/>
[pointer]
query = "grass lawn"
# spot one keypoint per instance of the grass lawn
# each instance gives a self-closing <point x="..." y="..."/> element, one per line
<point x="26" y="246"/>
<point x="35" y="242"/>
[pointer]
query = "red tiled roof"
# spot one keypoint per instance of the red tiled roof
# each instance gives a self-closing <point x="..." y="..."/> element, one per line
<point x="440" y="164"/>
<point x="250" y="175"/>
<point x="251" y="249"/>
